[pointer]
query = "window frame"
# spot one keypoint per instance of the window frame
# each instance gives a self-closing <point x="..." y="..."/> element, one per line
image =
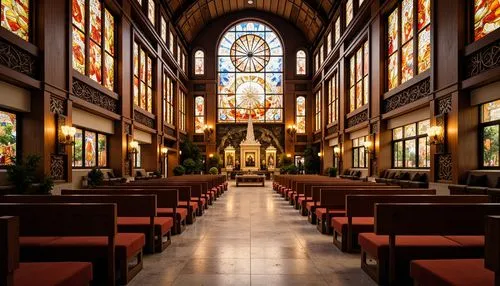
<point x="318" y="124"/>
<point x="199" y="116"/>
<point x="18" y="138"/>
<point x="148" y="55"/>
<point x="102" y="46"/>
<point x="365" y="100"/>
<point x="182" y="109"/>
<point x="403" y="140"/>
<point x="333" y="102"/>
<point x="168" y="105"/>
<point x="195" y="58"/>
<point x="297" y="57"/>
<point x="97" y="133"/>
<point x="297" y="116"/>
<point x="413" y="41"/>
<point x="482" y="125"/>
<point x="356" y="150"/>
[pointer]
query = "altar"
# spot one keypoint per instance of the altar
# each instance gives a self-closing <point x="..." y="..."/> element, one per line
<point x="250" y="150"/>
<point x="250" y="179"/>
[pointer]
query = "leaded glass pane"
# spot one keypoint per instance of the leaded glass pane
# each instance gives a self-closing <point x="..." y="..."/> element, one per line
<point x="423" y="127"/>
<point x="392" y="32"/>
<point x="407" y="20"/>
<point x="398" y="154"/>
<point x="407" y="62"/>
<point x="424" y="153"/>
<point x="78" y="149"/>
<point x="301" y="63"/>
<point x="90" y="149"/>
<point x="109" y="33"/>
<point x="95" y="21"/>
<point x="8" y="138"/>
<point x="393" y="71"/>
<point x="410" y="130"/>
<point x="491" y="111"/>
<point x="410" y="153"/>
<point x="349" y="12"/>
<point x="424" y="13"/>
<point x="491" y="146"/>
<point x="95" y="62"/>
<point x="78" y="14"/>
<point x="397" y="133"/>
<point x="424" y="49"/>
<point x="78" y="51"/>
<point x="15" y="17"/>
<point x="102" y="147"/>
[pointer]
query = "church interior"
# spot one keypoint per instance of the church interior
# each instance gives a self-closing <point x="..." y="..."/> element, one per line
<point x="249" y="142"/>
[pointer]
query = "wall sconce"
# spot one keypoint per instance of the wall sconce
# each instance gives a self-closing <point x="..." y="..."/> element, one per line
<point x="211" y="155"/>
<point x="133" y="147"/>
<point x="336" y="151"/>
<point x="289" y="155"/>
<point x="369" y="148"/>
<point x="164" y="151"/>
<point x="208" y="130"/>
<point x="180" y="152"/>
<point x="436" y="135"/>
<point x="292" y="130"/>
<point x="320" y="154"/>
<point x="67" y="135"/>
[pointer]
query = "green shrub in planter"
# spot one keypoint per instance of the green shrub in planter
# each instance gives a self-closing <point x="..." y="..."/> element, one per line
<point x="213" y="171"/>
<point x="95" y="177"/>
<point x="179" y="170"/>
<point x="332" y="172"/>
<point x="190" y="166"/>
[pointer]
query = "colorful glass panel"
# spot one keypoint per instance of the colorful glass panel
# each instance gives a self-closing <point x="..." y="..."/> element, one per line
<point x="95" y="21"/>
<point x="300" y="113"/>
<point x="109" y="33"/>
<point x="78" y="14"/>
<point x="424" y="49"/>
<point x="349" y="12"/>
<point x="78" y="47"/>
<point x="486" y="17"/>
<point x="78" y="149"/>
<point x="424" y="13"/>
<point x="109" y="72"/>
<point x="407" y="20"/>
<point x="95" y="62"/>
<point x="393" y="71"/>
<point x="250" y="66"/>
<point x="301" y="63"/>
<point x="102" y="148"/>
<point x="16" y="17"/>
<point x="151" y="11"/>
<point x="407" y="62"/>
<point x="8" y="138"/>
<point x="491" y="143"/>
<point x="490" y="111"/>
<point x="199" y="62"/>
<point x="392" y="32"/>
<point x="90" y="149"/>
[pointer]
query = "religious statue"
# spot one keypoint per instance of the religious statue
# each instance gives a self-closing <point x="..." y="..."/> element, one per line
<point x="270" y="160"/>
<point x="263" y="165"/>
<point x="237" y="165"/>
<point x="229" y="160"/>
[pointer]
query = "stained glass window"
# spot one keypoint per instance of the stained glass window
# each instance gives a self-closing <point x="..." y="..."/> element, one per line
<point x="337" y="30"/>
<point x="301" y="63"/>
<point x="168" y="100"/>
<point x="94" y="57"/>
<point x="250" y="74"/>
<point x="102" y="150"/>
<point x="90" y="149"/>
<point x="199" y="114"/>
<point x="16" y="17"/>
<point x="321" y="55"/>
<point x="8" y="138"/>
<point x="138" y="157"/>
<point x="411" y="146"/>
<point x="179" y="52"/>
<point x="407" y="26"/>
<point x="333" y="96"/>
<point x="163" y="30"/>
<point x="358" y="78"/>
<point x="486" y="17"/>
<point x="329" y="43"/>
<point x="349" y="12"/>
<point x="300" y="114"/>
<point x="171" y="42"/>
<point x="316" y="62"/>
<point x="151" y="11"/>
<point x="199" y="62"/>
<point x="182" y="110"/>
<point x="143" y="78"/>
<point x="317" y="111"/>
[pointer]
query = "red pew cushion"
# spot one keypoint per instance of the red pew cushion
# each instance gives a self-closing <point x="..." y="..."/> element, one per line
<point x="163" y="224"/>
<point x="303" y="198"/>
<point x="194" y="205"/>
<point x="181" y="213"/>
<point x="309" y="205"/>
<point x="127" y="244"/>
<point x="471" y="240"/>
<point x="451" y="272"/>
<point x="407" y="245"/>
<point x="53" y="273"/>
<point x="321" y="213"/>
<point x="359" y="224"/>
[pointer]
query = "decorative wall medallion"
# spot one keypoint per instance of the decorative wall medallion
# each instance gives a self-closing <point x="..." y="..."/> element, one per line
<point x="357" y="119"/>
<point x="483" y="60"/>
<point x="57" y="168"/>
<point x="407" y="96"/>
<point x="445" y="167"/>
<point x="18" y="59"/>
<point x="90" y="94"/>
<point x="57" y="105"/>
<point x="267" y="135"/>
<point x="143" y="119"/>
<point x="444" y="105"/>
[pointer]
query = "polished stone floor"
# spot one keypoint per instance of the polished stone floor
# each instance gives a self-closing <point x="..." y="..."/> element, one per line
<point x="251" y="236"/>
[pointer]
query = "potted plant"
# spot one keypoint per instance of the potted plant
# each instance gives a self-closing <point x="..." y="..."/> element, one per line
<point x="95" y="177"/>
<point x="332" y="172"/>
<point x="179" y="170"/>
<point x="213" y="171"/>
<point x="23" y="174"/>
<point x="190" y="166"/>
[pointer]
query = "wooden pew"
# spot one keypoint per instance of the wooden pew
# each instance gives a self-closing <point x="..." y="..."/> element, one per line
<point x="451" y="272"/>
<point x="318" y="209"/>
<point x="360" y="211"/>
<point x="406" y="232"/>
<point x="167" y="202"/>
<point x="45" y="225"/>
<point x="136" y="214"/>
<point x="14" y="273"/>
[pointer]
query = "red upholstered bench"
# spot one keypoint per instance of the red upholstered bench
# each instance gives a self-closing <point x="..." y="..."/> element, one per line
<point x="406" y="232"/>
<point x="13" y="273"/>
<point x="451" y="272"/>
<point x="162" y="229"/>
<point x="321" y="218"/>
<point x="340" y="229"/>
<point x="180" y="217"/>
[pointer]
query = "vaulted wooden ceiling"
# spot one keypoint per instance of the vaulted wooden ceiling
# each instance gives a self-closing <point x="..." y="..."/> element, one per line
<point x="310" y="16"/>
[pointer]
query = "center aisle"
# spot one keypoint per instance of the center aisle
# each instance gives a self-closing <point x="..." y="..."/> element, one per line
<point x="251" y="236"/>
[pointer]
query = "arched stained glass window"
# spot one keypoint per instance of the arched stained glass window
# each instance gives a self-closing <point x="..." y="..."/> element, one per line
<point x="250" y="74"/>
<point x="199" y="114"/>
<point x="301" y="63"/>
<point x="199" y="62"/>
<point x="300" y="114"/>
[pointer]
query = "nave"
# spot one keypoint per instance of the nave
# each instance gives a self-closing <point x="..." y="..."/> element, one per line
<point x="251" y="236"/>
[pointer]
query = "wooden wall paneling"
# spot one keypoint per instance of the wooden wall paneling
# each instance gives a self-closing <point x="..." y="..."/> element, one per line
<point x="125" y="62"/>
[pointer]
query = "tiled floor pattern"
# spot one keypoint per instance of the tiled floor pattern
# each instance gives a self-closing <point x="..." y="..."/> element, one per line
<point x="251" y="236"/>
